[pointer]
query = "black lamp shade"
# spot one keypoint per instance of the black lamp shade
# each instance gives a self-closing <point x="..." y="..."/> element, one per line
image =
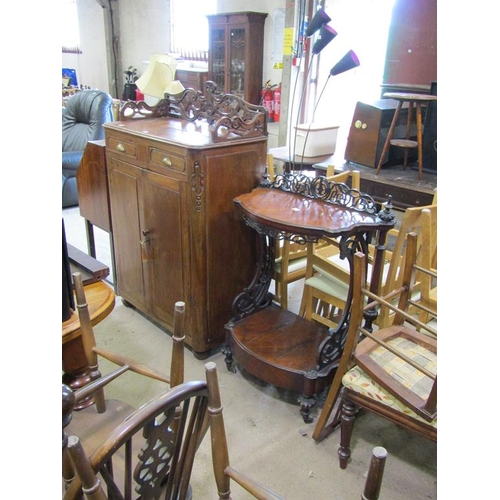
<point x="326" y="35"/>
<point x="349" y="61"/>
<point x="320" y="18"/>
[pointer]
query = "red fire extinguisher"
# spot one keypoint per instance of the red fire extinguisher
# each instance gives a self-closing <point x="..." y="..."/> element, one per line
<point x="267" y="99"/>
<point x="277" y="104"/>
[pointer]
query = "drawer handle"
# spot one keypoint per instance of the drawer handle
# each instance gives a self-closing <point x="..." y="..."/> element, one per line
<point x="166" y="161"/>
<point x="145" y="245"/>
<point x="120" y="147"/>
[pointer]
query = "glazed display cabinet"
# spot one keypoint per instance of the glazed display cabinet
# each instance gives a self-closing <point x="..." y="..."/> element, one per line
<point x="235" y="57"/>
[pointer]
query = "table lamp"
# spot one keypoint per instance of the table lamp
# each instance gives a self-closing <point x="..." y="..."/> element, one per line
<point x="158" y="79"/>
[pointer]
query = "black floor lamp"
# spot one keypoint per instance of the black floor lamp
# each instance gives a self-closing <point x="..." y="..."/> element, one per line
<point x="326" y="35"/>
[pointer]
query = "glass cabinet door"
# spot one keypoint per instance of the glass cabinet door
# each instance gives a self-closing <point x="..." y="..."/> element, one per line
<point x="219" y="58"/>
<point x="236" y="50"/>
<point x="237" y="57"/>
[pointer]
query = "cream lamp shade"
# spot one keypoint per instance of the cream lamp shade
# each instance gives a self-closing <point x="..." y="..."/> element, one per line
<point x="159" y="75"/>
<point x="175" y="87"/>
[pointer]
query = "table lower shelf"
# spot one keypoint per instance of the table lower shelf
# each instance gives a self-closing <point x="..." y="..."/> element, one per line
<point x="281" y="348"/>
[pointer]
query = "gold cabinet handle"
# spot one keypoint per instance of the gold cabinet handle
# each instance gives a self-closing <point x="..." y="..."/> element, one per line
<point x="167" y="161"/>
<point x="120" y="147"/>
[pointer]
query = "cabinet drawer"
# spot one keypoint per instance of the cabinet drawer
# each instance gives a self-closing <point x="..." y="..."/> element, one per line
<point x="122" y="146"/>
<point x="166" y="159"/>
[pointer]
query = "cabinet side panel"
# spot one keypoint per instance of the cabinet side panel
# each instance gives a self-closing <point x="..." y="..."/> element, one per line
<point x="124" y="182"/>
<point x="231" y="244"/>
<point x="163" y="254"/>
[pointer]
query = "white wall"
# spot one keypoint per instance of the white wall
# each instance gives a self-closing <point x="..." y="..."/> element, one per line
<point x="144" y="30"/>
<point x="91" y="65"/>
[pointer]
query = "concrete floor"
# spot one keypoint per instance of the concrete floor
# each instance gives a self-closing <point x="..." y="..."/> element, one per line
<point x="267" y="437"/>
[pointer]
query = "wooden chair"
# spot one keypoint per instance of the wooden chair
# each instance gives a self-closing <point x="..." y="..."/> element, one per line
<point x="155" y="449"/>
<point x="270" y="166"/>
<point x="320" y="304"/>
<point x="289" y="266"/>
<point x="328" y="276"/>
<point x="392" y="371"/>
<point x="92" y="351"/>
<point x="290" y="257"/>
<point x="94" y="422"/>
<point x="170" y="429"/>
<point x="428" y="285"/>
<point x="352" y="177"/>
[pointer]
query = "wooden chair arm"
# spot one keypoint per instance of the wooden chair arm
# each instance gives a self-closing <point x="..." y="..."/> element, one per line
<point x="255" y="488"/>
<point x="92" y="387"/>
<point x="132" y="365"/>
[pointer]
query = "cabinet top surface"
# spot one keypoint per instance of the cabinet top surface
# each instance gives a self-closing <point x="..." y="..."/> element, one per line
<point x="290" y="211"/>
<point x="193" y="135"/>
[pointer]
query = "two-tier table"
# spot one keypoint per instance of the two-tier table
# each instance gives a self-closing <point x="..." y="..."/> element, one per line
<point x="275" y="344"/>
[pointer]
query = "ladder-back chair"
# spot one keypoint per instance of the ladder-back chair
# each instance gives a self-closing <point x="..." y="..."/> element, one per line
<point x="328" y="275"/>
<point x="391" y="371"/>
<point x="320" y="304"/>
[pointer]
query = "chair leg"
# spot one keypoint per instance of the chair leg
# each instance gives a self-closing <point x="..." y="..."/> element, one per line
<point x="375" y="474"/>
<point x="284" y="295"/>
<point x="304" y="303"/>
<point x="347" y="417"/>
<point x="220" y="453"/>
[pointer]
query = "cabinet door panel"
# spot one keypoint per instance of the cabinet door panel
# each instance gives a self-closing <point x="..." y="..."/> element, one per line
<point x="163" y="259"/>
<point x="124" y="191"/>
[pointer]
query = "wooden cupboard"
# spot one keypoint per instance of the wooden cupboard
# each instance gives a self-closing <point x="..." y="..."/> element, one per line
<point x="176" y="233"/>
<point x="192" y="78"/>
<point x="235" y="56"/>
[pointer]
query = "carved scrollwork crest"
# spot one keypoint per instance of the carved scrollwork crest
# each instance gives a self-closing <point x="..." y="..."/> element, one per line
<point x="320" y="188"/>
<point x="228" y="115"/>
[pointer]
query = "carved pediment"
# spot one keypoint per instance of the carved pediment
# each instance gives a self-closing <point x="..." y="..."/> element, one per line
<point x="228" y="115"/>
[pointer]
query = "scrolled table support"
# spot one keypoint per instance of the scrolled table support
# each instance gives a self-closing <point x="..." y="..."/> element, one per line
<point x="256" y="295"/>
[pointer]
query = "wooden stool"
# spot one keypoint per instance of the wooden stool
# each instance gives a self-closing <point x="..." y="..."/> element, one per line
<point x="406" y="143"/>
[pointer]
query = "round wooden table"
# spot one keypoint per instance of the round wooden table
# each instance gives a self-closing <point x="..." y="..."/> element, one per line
<point x="101" y="301"/>
<point x="411" y="99"/>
